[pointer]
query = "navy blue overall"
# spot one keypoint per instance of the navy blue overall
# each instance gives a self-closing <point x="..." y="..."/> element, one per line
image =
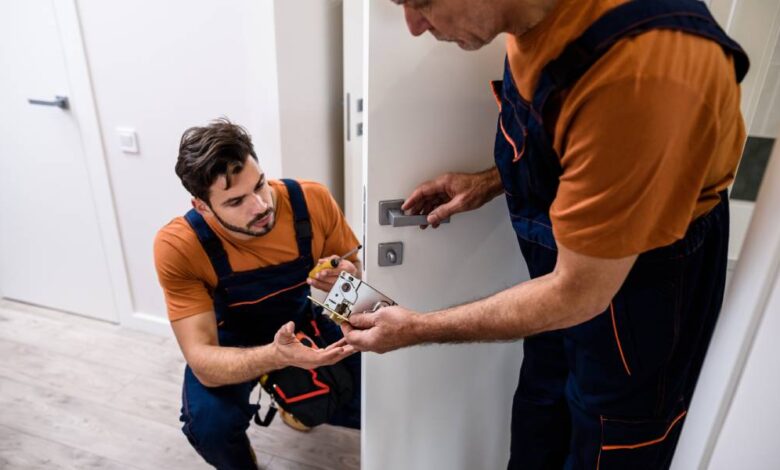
<point x="611" y="392"/>
<point x="250" y="307"/>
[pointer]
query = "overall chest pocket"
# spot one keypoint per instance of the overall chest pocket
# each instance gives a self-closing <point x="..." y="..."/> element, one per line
<point x="509" y="150"/>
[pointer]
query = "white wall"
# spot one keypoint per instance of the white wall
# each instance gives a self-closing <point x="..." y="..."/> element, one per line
<point x="160" y="67"/>
<point x="309" y="59"/>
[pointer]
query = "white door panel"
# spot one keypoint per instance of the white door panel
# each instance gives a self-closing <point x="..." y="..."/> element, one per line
<point x="51" y="252"/>
<point x="429" y="109"/>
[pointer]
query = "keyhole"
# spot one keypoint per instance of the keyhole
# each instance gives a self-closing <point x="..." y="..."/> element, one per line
<point x="391" y="256"/>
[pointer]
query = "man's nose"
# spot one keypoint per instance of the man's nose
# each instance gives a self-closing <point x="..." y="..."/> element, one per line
<point x="259" y="204"/>
<point x="416" y="22"/>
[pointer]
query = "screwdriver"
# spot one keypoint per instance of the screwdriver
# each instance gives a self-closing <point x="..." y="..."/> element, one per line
<point x="333" y="262"/>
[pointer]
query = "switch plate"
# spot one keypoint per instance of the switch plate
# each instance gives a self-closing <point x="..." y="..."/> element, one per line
<point x="128" y="140"/>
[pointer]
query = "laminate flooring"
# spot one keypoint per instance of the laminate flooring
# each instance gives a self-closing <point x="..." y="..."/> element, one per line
<point x="77" y="393"/>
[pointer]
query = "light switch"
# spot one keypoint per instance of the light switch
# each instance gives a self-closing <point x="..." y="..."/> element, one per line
<point x="128" y="141"/>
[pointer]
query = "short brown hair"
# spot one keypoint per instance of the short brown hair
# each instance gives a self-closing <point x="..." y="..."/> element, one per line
<point x="206" y="153"/>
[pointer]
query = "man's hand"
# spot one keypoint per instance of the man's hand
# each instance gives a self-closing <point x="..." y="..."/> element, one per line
<point x="385" y="330"/>
<point x="289" y="351"/>
<point x="325" y="279"/>
<point x="452" y="193"/>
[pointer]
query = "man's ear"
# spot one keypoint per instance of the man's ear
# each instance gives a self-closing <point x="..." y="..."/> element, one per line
<point x="200" y="206"/>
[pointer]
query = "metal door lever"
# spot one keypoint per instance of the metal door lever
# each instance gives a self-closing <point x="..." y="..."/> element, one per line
<point x="59" y="101"/>
<point x="390" y="213"/>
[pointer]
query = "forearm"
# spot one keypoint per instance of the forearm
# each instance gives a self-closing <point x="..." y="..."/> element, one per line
<point x="491" y="181"/>
<point x="219" y="365"/>
<point x="535" y="306"/>
<point x="579" y="288"/>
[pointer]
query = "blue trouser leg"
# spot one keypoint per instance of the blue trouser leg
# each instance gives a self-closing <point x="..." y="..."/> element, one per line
<point x="540" y="415"/>
<point x="613" y="392"/>
<point x="215" y="422"/>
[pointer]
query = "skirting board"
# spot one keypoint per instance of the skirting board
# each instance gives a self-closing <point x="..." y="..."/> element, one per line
<point x="148" y="323"/>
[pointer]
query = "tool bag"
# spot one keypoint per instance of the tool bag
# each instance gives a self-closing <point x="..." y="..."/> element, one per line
<point x="311" y="395"/>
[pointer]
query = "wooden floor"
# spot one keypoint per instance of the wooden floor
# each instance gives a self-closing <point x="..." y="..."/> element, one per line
<point x="79" y="393"/>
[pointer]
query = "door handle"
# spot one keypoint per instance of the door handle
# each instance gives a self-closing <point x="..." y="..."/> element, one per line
<point x="390" y="213"/>
<point x="59" y="101"/>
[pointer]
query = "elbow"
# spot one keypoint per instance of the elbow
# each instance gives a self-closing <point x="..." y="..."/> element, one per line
<point x="580" y="298"/>
<point x="595" y="309"/>
<point x="583" y="306"/>
<point x="591" y="305"/>
<point x="204" y="381"/>
<point x="201" y="374"/>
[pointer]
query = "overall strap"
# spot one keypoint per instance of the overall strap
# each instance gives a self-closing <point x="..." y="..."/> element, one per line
<point x="210" y="242"/>
<point x="631" y="19"/>
<point x="303" y="232"/>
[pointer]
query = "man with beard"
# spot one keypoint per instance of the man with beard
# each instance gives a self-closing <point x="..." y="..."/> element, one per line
<point x="619" y="131"/>
<point x="235" y="273"/>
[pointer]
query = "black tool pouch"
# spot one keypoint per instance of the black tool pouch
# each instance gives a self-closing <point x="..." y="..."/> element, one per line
<point x="311" y="395"/>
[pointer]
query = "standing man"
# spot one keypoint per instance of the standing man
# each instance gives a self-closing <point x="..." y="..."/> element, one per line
<point x="235" y="271"/>
<point x="619" y="131"/>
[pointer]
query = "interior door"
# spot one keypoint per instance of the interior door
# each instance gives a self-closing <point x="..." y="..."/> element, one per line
<point x="429" y="109"/>
<point x="51" y="251"/>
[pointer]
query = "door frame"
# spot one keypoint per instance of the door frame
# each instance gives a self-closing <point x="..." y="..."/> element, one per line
<point x="757" y="258"/>
<point x="82" y="106"/>
<point x="743" y="310"/>
<point x="760" y="48"/>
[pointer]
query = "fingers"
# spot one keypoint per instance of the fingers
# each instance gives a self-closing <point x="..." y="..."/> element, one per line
<point x="428" y="198"/>
<point x="362" y="340"/>
<point x="308" y="358"/>
<point x="357" y="332"/>
<point x="285" y="334"/>
<point x="345" y="328"/>
<point x="335" y="354"/>
<point x="346" y="265"/>
<point x="327" y="258"/>
<point x="324" y="357"/>
<point x="444" y="211"/>
<point x="325" y="279"/>
<point x="362" y="321"/>
<point x="339" y="343"/>
<point x="321" y="285"/>
<point x="425" y="191"/>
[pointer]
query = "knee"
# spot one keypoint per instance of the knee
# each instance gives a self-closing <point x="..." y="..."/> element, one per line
<point x="212" y="426"/>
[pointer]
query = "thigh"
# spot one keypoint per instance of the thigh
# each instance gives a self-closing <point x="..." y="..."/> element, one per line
<point x="540" y="416"/>
<point x="610" y="442"/>
<point x="210" y="410"/>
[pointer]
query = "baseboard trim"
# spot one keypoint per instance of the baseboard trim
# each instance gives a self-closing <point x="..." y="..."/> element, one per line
<point x="148" y="323"/>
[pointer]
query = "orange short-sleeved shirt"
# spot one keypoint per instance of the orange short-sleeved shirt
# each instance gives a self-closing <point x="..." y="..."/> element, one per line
<point x="185" y="272"/>
<point x="647" y="138"/>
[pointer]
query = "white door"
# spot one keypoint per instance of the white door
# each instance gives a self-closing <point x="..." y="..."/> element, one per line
<point x="429" y="109"/>
<point x="51" y="251"/>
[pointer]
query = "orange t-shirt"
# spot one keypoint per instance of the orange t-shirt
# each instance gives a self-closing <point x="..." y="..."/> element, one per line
<point x="186" y="274"/>
<point x="647" y="137"/>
